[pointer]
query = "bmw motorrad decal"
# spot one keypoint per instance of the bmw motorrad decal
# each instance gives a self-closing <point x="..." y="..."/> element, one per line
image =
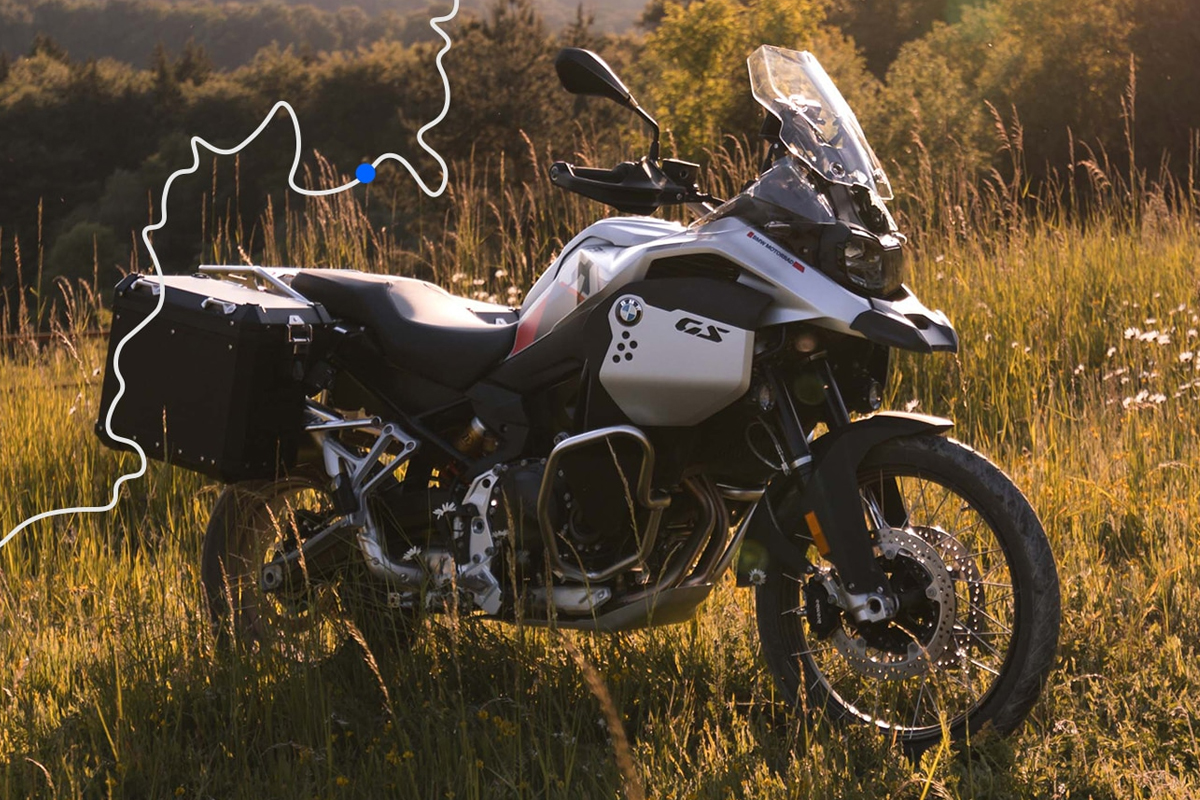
<point x="775" y="250"/>
<point x="698" y="329"/>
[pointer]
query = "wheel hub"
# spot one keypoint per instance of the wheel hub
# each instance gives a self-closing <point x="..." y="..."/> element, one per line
<point x="922" y="631"/>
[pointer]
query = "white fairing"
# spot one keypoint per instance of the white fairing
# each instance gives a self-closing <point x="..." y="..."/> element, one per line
<point x="673" y="367"/>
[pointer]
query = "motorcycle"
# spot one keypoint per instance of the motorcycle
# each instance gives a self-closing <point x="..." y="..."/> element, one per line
<point x="669" y="403"/>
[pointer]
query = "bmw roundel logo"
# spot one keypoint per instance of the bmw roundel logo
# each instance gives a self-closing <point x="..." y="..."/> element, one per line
<point x="629" y="311"/>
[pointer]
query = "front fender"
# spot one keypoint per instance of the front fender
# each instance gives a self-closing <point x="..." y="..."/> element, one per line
<point x="826" y="504"/>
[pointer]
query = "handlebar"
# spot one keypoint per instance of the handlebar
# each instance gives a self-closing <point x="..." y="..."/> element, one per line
<point x="635" y="187"/>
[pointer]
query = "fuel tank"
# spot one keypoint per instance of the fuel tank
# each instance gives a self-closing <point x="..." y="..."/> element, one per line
<point x="586" y="266"/>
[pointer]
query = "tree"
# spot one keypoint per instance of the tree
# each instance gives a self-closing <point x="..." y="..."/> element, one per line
<point x="695" y="63"/>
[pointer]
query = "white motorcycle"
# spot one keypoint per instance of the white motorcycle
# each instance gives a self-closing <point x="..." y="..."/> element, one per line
<point x="668" y="403"/>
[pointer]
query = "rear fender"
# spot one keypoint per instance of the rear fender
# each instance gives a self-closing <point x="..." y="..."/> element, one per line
<point x="827" y="507"/>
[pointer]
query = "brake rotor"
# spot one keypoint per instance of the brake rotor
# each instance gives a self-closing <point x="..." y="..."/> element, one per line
<point x="962" y="568"/>
<point x="927" y="626"/>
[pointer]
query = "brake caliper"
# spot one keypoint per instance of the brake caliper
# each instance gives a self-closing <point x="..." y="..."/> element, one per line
<point x="822" y="613"/>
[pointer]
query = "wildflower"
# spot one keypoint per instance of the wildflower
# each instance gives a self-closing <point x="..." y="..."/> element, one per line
<point x="912" y="404"/>
<point x="1147" y="336"/>
<point x="1164" y="339"/>
<point x="1130" y="333"/>
<point x="1186" y="356"/>
<point x="1158" y="398"/>
<point x="500" y="273"/>
<point x="1079" y="369"/>
<point x="1110" y="352"/>
<point x="1191" y="334"/>
<point x="457" y="277"/>
<point x="1151" y="320"/>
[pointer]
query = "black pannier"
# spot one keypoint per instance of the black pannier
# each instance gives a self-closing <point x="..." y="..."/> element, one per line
<point x="215" y="383"/>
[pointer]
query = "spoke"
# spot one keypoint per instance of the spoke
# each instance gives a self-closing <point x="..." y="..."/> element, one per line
<point x="957" y="679"/>
<point x="920" y="694"/>
<point x="978" y="582"/>
<point x="813" y="651"/>
<point x="990" y="618"/>
<point x="983" y="666"/>
<point x="975" y="636"/>
<point x="941" y="503"/>
<point x="976" y="555"/>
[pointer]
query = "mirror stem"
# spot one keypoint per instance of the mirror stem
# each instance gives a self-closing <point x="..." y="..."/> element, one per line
<point x="653" y="123"/>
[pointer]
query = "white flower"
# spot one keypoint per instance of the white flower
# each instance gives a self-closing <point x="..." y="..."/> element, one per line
<point x="912" y="404"/>
<point x="1131" y="333"/>
<point x="443" y="510"/>
<point x="1186" y="356"/>
<point x="1110" y="352"/>
<point x="411" y="553"/>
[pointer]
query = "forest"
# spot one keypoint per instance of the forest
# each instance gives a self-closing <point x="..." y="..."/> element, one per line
<point x="88" y="135"/>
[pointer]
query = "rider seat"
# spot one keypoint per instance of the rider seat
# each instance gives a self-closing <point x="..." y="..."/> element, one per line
<point x="420" y="326"/>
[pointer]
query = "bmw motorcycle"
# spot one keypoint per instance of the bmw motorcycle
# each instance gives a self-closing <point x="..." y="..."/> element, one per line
<point x="669" y="404"/>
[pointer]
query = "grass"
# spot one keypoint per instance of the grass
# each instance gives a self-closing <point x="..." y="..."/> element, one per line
<point x="1078" y="374"/>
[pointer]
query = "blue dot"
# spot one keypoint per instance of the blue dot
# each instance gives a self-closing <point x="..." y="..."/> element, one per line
<point x="365" y="173"/>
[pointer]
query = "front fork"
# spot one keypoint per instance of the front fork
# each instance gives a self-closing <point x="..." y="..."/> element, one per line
<point x="829" y="503"/>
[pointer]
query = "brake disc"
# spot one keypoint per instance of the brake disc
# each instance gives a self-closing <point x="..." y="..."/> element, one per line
<point x="906" y="550"/>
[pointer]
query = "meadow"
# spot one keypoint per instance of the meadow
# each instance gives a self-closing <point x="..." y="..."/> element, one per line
<point x="1079" y="374"/>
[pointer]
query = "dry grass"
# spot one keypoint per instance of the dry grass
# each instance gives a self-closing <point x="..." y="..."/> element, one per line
<point x="1078" y="374"/>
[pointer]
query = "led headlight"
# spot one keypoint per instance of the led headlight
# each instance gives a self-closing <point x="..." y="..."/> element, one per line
<point x="872" y="264"/>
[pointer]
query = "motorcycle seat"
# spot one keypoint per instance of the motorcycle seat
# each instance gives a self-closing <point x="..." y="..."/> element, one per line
<point x="420" y="326"/>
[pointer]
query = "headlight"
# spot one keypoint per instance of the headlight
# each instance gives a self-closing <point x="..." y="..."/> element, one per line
<point x="873" y="264"/>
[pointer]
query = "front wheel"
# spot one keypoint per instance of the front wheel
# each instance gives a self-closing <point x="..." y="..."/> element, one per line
<point x="977" y="628"/>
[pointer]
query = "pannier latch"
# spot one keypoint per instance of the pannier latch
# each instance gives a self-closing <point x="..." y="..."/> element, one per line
<point x="299" y="333"/>
<point x="225" y="306"/>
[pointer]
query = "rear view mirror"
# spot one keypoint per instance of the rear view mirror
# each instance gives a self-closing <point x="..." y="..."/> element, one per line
<point x="584" y="72"/>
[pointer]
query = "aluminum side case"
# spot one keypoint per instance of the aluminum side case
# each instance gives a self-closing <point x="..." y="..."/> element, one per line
<point x="216" y="382"/>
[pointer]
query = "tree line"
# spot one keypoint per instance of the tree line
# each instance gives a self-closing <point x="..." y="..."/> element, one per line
<point x="86" y="144"/>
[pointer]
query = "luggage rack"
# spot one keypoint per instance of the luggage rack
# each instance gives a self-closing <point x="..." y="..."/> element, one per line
<point x="272" y="277"/>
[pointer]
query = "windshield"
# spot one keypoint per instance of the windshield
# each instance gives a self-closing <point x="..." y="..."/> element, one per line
<point x="817" y="124"/>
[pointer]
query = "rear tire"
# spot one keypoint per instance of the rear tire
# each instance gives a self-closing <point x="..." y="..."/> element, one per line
<point x="973" y="645"/>
<point x="250" y="523"/>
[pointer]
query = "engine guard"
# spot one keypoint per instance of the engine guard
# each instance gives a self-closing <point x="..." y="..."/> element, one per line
<point x="828" y="505"/>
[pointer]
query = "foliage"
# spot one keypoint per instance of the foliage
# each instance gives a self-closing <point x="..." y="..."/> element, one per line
<point x="696" y="59"/>
<point x="1078" y="375"/>
<point x="127" y="30"/>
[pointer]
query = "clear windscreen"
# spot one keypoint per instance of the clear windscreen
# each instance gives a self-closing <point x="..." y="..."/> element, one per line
<point x="817" y="124"/>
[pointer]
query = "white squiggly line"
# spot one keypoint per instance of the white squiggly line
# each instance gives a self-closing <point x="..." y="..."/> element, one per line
<point x="195" y="142"/>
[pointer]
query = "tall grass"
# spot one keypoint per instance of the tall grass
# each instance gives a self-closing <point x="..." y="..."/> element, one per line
<point x="1078" y="310"/>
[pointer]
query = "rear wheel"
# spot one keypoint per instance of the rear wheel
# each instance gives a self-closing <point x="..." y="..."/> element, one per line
<point x="978" y="623"/>
<point x="251" y="524"/>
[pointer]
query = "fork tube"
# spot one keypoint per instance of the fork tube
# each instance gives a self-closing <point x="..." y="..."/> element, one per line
<point x="838" y="415"/>
<point x="798" y="453"/>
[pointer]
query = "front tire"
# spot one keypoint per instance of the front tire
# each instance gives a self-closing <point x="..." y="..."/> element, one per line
<point x="976" y="634"/>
